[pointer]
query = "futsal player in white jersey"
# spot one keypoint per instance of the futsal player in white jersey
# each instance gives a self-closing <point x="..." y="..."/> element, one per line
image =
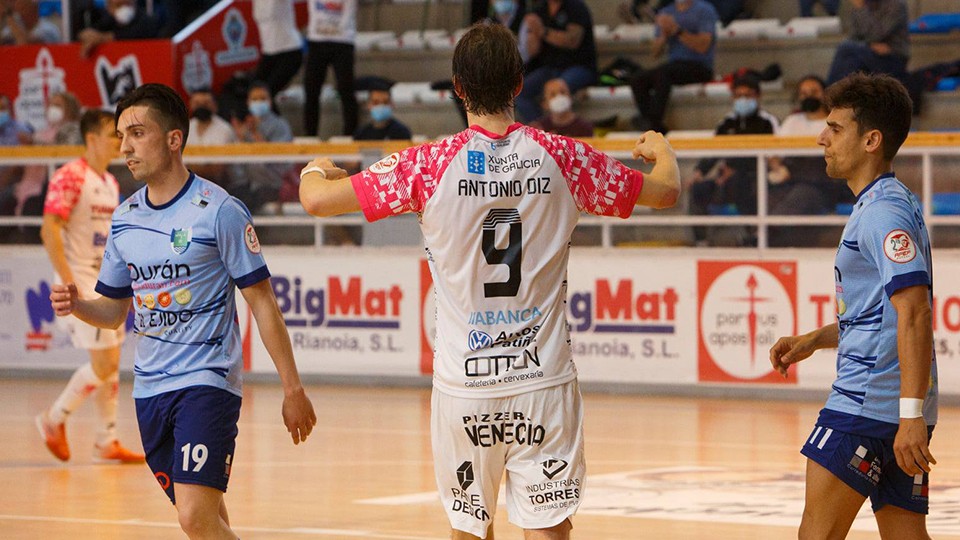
<point x="182" y="246"/>
<point x="871" y="438"/>
<point x="81" y="196"/>
<point x="497" y="205"/>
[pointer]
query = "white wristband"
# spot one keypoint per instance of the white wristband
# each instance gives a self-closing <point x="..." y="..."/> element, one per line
<point x="911" y="408"/>
<point x="315" y="169"/>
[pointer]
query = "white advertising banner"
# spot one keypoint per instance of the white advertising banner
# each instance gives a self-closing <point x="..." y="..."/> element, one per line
<point x="31" y="336"/>
<point x="348" y="312"/>
<point x="644" y="316"/>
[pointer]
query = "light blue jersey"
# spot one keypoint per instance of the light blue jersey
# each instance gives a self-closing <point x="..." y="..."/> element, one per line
<point x="885" y="248"/>
<point x="181" y="262"/>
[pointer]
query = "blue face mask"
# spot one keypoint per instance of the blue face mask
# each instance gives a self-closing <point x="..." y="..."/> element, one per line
<point x="259" y="107"/>
<point x="4" y="117"/>
<point x="381" y="113"/>
<point x="503" y="7"/>
<point x="745" y="106"/>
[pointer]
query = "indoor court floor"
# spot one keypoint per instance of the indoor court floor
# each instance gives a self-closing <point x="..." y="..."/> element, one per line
<point x="658" y="468"/>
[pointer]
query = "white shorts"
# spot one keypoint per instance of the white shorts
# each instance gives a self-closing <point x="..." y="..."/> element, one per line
<point x="85" y="336"/>
<point x="537" y="438"/>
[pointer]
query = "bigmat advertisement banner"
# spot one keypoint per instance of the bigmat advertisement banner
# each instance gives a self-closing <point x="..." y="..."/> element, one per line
<point x="665" y="317"/>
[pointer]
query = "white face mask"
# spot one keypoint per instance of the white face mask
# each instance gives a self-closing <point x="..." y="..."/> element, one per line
<point x="55" y="114"/>
<point x="124" y="14"/>
<point x="560" y="104"/>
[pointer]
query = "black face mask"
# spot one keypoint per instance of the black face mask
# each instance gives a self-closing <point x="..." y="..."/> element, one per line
<point x="203" y="114"/>
<point x="810" y="104"/>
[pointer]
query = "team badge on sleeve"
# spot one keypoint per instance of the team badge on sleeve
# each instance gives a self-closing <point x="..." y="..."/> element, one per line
<point x="386" y="164"/>
<point x="250" y="238"/>
<point x="899" y="247"/>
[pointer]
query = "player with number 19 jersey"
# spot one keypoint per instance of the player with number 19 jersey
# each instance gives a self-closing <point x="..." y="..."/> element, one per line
<point x="499" y="211"/>
<point x="181" y="262"/>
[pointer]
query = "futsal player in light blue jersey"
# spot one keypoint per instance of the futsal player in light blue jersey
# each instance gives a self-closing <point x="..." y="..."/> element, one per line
<point x="871" y="439"/>
<point x="179" y="248"/>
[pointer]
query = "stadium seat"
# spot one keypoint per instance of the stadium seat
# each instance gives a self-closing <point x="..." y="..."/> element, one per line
<point x="946" y="204"/>
<point x="747" y="29"/>
<point x="371" y="40"/>
<point x="936" y="23"/>
<point x="634" y="32"/>
<point x="821" y="26"/>
<point x="599" y="93"/>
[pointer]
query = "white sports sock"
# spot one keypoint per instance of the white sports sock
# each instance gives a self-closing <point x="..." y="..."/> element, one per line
<point x="107" y="398"/>
<point x="83" y="383"/>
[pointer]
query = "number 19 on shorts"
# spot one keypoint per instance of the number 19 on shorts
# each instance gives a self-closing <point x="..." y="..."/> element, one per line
<point x="197" y="457"/>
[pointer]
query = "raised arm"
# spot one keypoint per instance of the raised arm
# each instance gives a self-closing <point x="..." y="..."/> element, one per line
<point x="326" y="190"/>
<point x="661" y="186"/>
<point x="101" y="312"/>
<point x="298" y="414"/>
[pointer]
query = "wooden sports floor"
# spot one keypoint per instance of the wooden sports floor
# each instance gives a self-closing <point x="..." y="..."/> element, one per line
<point x="658" y="468"/>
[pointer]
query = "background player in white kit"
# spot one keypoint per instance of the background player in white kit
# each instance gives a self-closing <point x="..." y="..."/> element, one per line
<point x="76" y="221"/>
<point x="497" y="205"/>
<point x="871" y="438"/>
<point x="182" y="246"/>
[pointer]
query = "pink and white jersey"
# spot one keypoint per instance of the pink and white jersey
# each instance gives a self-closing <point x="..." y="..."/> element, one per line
<point x="497" y="213"/>
<point x="86" y="202"/>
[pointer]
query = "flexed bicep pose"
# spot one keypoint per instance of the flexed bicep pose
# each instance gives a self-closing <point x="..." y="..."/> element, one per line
<point x="497" y="205"/>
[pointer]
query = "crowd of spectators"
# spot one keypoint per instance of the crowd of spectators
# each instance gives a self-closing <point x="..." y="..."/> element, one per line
<point x="557" y="45"/>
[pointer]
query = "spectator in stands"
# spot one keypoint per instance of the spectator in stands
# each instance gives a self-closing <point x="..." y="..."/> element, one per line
<point x="176" y="14"/>
<point x="331" y="34"/>
<point x="262" y="180"/>
<point x="800" y="185"/>
<point x="509" y="13"/>
<point x="830" y="6"/>
<point x="878" y="42"/>
<point x="21" y="24"/>
<point x="207" y="128"/>
<point x="382" y="126"/>
<point x="63" y="127"/>
<point x="281" y="46"/>
<point x="12" y="133"/>
<point x="687" y="31"/>
<point x="63" y="120"/>
<point x="645" y="11"/>
<point x="730" y="185"/>
<point x="120" y="20"/>
<point x="561" y="119"/>
<point x="559" y="42"/>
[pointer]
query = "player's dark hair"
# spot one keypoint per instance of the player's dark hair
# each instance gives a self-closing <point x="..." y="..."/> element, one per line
<point x="170" y="110"/>
<point x="488" y="68"/>
<point x="93" y="119"/>
<point x="878" y="102"/>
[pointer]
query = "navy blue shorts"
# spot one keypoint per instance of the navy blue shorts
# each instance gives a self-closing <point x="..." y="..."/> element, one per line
<point x="189" y="436"/>
<point x="869" y="466"/>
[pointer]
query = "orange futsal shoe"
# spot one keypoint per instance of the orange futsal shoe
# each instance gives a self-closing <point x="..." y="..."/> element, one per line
<point x="54" y="435"/>
<point x="115" y="453"/>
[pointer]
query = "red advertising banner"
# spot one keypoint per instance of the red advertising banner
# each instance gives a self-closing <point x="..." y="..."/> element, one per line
<point x="743" y="307"/>
<point x="34" y="72"/>
<point x="215" y="46"/>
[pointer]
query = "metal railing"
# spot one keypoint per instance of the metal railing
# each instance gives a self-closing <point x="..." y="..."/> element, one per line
<point x="926" y="147"/>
